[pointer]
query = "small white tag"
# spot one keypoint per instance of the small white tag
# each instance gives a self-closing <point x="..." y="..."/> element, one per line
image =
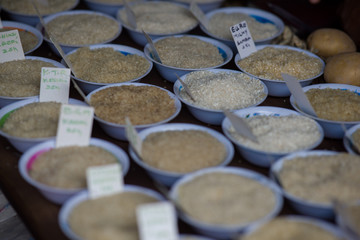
<point x="10" y="46"/>
<point x="199" y="14"/>
<point x="133" y="137"/>
<point x="104" y="180"/>
<point x="75" y="125"/>
<point x="157" y="221"/>
<point x="243" y="40"/>
<point x="54" y="85"/>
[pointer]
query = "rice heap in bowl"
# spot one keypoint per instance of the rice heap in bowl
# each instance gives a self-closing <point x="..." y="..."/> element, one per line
<point x="26" y="6"/>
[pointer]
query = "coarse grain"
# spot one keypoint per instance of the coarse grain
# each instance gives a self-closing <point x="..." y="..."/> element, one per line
<point x="28" y="39"/>
<point x="355" y="137"/>
<point x="322" y="179"/>
<point x="21" y="78"/>
<point x="223" y="91"/>
<point x="108" y="218"/>
<point x="270" y="62"/>
<point x="335" y="104"/>
<point x="220" y="23"/>
<point x="83" y="29"/>
<point x="280" y="134"/>
<point x="141" y="104"/>
<point x="106" y="65"/>
<point x="65" y="167"/>
<point x="188" y="52"/>
<point x="182" y="151"/>
<point x="34" y="120"/>
<point x="161" y="17"/>
<point x="26" y="6"/>
<point x="353" y="214"/>
<point x="233" y="199"/>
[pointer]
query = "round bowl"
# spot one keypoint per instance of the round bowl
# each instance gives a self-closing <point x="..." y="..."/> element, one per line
<point x="167" y="178"/>
<point x="206" y="115"/>
<point x="137" y="35"/>
<point x="226" y="231"/>
<point x="19" y="143"/>
<point x="60" y="195"/>
<point x="332" y="129"/>
<point x="110" y="8"/>
<point x="348" y="140"/>
<point x="205" y="6"/>
<point x="117" y="131"/>
<point x="259" y="15"/>
<point x="67" y="48"/>
<point x="169" y="72"/>
<point x="69" y="205"/>
<point x="88" y="86"/>
<point x="259" y="157"/>
<point x="4" y="100"/>
<point x="278" y="88"/>
<point x="25" y="28"/>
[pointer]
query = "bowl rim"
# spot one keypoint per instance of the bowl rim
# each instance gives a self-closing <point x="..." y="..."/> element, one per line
<point x="349" y="146"/>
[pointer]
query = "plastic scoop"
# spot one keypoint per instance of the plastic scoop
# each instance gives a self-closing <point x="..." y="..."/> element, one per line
<point x="241" y="126"/>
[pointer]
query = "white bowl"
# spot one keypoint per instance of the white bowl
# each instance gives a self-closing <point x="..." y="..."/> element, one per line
<point x="210" y="116"/>
<point x="259" y="15"/>
<point x="67" y="48"/>
<point x="222" y="231"/>
<point x="117" y="131"/>
<point x="347" y="140"/>
<point x="166" y="177"/>
<point x="27" y="28"/>
<point x="69" y="205"/>
<point x="88" y="86"/>
<point x="104" y="7"/>
<point x="8" y="100"/>
<point x="257" y="157"/>
<point x="60" y="195"/>
<point x="168" y="72"/>
<point x="19" y="143"/>
<point x="137" y="35"/>
<point x="204" y="6"/>
<point x="278" y="88"/>
<point x="332" y="129"/>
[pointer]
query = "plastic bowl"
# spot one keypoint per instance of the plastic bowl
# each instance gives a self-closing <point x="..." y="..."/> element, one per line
<point x="166" y="177"/>
<point x="278" y="88"/>
<point x="60" y="195"/>
<point x="257" y="157"/>
<point x="332" y="129"/>
<point x="206" y="115"/>
<point x="348" y="142"/>
<point x="88" y="86"/>
<point x="169" y="72"/>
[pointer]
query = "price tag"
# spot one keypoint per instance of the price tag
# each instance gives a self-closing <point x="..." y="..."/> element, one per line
<point x="133" y="137"/>
<point x="104" y="180"/>
<point x="55" y="84"/>
<point x="199" y="14"/>
<point x="75" y="125"/>
<point x="243" y="40"/>
<point x="10" y="46"/>
<point x="157" y="221"/>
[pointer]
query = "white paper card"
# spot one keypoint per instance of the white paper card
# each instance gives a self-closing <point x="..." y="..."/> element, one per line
<point x="75" y="125"/>
<point x="243" y="40"/>
<point x="199" y="14"/>
<point x="104" y="180"/>
<point x="157" y="221"/>
<point x="133" y="137"/>
<point x="10" y="46"/>
<point x="54" y="85"/>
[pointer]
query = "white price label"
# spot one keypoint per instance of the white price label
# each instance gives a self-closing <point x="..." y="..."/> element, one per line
<point x="55" y="84"/>
<point x="10" y="46"/>
<point x="243" y="40"/>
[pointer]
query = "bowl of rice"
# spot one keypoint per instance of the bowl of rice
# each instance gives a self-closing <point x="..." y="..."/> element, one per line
<point x="137" y="101"/>
<point x="110" y="7"/>
<point x="104" y="64"/>
<point x="157" y="19"/>
<point x="336" y="107"/>
<point x="269" y="61"/>
<point x="279" y="131"/>
<point x="216" y="90"/>
<point x="204" y="5"/>
<point x="169" y="151"/>
<point x="58" y="177"/>
<point x="181" y="54"/>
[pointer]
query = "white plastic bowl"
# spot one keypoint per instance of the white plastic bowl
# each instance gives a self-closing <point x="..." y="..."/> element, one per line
<point x="278" y="88"/>
<point x="166" y="177"/>
<point x="332" y="129"/>
<point x="210" y="116"/>
<point x="67" y="48"/>
<point x="88" y="86"/>
<point x="347" y="140"/>
<point x="257" y="157"/>
<point x="23" y="144"/>
<point x="117" y="131"/>
<point x="60" y="195"/>
<point x="168" y="72"/>
<point x="221" y="231"/>
<point x="259" y="15"/>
